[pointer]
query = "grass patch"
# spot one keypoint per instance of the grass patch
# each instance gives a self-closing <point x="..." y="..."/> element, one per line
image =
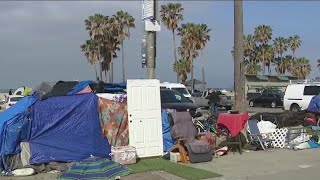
<point x="145" y="165"/>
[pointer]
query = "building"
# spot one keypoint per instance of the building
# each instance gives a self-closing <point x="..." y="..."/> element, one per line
<point x="254" y="84"/>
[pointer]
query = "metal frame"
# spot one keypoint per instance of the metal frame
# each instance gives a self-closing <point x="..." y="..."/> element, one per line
<point x="306" y="81"/>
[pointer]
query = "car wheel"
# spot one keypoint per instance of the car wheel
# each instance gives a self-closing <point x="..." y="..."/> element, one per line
<point x="251" y="104"/>
<point x="273" y="104"/>
<point x="295" y="108"/>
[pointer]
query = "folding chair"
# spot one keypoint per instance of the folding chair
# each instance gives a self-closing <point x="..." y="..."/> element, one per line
<point x="255" y="135"/>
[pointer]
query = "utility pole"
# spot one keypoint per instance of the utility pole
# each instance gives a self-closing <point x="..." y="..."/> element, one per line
<point x="239" y="81"/>
<point x="151" y="45"/>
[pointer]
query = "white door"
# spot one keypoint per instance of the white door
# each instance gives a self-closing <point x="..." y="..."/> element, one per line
<point x="144" y="110"/>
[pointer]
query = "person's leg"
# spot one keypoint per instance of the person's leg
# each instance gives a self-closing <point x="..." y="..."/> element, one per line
<point x="216" y="111"/>
<point x="212" y="108"/>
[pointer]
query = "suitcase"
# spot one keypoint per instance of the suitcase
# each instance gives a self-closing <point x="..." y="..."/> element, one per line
<point x="124" y="155"/>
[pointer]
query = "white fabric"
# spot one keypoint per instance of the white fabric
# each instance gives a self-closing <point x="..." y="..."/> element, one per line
<point x="110" y="96"/>
<point x="23" y="172"/>
<point x="266" y="127"/>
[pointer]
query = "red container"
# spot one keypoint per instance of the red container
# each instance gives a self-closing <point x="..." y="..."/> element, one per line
<point x="124" y="154"/>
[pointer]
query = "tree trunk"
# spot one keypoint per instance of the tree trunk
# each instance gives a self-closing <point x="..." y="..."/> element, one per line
<point x="239" y="80"/>
<point x="111" y="69"/>
<point x="123" y="69"/>
<point x="192" y="77"/>
<point x="95" y="70"/>
<point x="203" y="80"/>
<point x="100" y="61"/>
<point x="175" y="51"/>
<point x="105" y="75"/>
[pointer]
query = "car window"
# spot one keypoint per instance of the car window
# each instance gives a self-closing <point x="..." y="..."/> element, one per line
<point x="181" y="90"/>
<point x="15" y="99"/>
<point x="311" y="90"/>
<point x="171" y="96"/>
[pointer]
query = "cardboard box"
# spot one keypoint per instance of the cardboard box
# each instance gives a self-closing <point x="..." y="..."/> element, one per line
<point x="124" y="154"/>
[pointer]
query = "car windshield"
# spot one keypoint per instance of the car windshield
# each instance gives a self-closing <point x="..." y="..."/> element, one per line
<point x="181" y="90"/>
<point x="171" y="96"/>
<point x="277" y="92"/>
<point x="15" y="99"/>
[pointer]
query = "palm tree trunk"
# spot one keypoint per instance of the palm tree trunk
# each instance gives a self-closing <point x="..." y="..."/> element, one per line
<point x="192" y="77"/>
<point x="111" y="69"/>
<point x="239" y="81"/>
<point x="123" y="69"/>
<point x="100" y="61"/>
<point x="105" y="75"/>
<point x="203" y="80"/>
<point x="95" y="70"/>
<point x="175" y="51"/>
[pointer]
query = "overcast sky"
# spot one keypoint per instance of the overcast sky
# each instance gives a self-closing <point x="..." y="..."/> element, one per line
<point x="40" y="41"/>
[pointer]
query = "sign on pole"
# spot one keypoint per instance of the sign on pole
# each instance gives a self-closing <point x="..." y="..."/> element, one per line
<point x="144" y="51"/>
<point x="147" y="9"/>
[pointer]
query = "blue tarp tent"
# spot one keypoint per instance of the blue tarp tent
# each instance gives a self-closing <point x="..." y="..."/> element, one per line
<point x="314" y="104"/>
<point x="167" y="139"/>
<point x="14" y="128"/>
<point x="78" y="87"/>
<point x="66" y="128"/>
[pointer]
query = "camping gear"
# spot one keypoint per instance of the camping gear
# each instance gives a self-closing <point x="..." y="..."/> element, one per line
<point x="66" y="129"/>
<point x="61" y="88"/>
<point x="124" y="154"/>
<point x="95" y="168"/>
<point x="185" y="134"/>
<point x="314" y="105"/>
<point x="114" y="121"/>
<point x="255" y="135"/>
<point x="82" y="86"/>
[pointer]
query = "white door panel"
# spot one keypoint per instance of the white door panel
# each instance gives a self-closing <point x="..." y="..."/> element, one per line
<point x="145" y="124"/>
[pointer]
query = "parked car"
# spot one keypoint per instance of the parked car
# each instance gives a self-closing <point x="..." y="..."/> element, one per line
<point x="176" y="86"/>
<point x="298" y="96"/>
<point x="13" y="99"/>
<point x="172" y="99"/>
<point x="268" y="97"/>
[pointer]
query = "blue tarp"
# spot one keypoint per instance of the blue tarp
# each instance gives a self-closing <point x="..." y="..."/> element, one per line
<point x="14" y="128"/>
<point x="78" y="87"/>
<point x="66" y="128"/>
<point x="314" y="104"/>
<point x="167" y="139"/>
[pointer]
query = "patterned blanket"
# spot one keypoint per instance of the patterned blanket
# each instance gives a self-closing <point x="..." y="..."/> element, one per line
<point x="114" y="121"/>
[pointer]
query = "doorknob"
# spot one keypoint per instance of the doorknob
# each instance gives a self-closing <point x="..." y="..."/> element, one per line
<point x="130" y="115"/>
<point x="131" y="121"/>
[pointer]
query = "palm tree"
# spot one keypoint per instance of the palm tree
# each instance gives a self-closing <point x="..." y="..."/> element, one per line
<point x="249" y="48"/>
<point x="182" y="68"/>
<point x="123" y="21"/>
<point x="318" y="65"/>
<point x="171" y="16"/>
<point x="94" y="24"/>
<point x="263" y="35"/>
<point x="90" y="49"/>
<point x="193" y="38"/>
<point x="294" y="43"/>
<point x="280" y="45"/>
<point x="204" y="37"/>
<point x="110" y="43"/>
<point x="253" y="69"/>
<point x="265" y="54"/>
<point x="301" y="67"/>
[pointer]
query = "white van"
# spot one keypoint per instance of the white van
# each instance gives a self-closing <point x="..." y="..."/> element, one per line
<point x="298" y="96"/>
<point x="178" y="87"/>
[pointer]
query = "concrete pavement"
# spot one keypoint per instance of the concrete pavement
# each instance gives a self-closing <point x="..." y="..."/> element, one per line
<point x="273" y="164"/>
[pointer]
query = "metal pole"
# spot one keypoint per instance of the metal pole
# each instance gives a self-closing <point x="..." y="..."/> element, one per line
<point x="238" y="61"/>
<point x="151" y="46"/>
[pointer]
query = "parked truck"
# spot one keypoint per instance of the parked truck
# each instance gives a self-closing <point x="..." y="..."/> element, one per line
<point x="227" y="99"/>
